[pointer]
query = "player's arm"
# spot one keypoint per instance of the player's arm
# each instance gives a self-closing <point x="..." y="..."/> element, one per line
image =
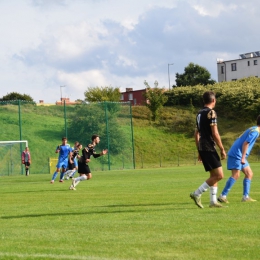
<point x="197" y="138"/>
<point x="57" y="149"/>
<point x="96" y="155"/>
<point x="217" y="139"/>
<point x="244" y="150"/>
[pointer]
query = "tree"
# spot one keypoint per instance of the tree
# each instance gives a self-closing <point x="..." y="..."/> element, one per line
<point x="100" y="94"/>
<point x="194" y="75"/>
<point x="16" y="96"/>
<point x="156" y="99"/>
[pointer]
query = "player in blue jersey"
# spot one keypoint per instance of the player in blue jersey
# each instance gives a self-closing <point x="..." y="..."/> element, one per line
<point x="237" y="161"/>
<point x="84" y="170"/>
<point x="64" y="150"/>
<point x="206" y="138"/>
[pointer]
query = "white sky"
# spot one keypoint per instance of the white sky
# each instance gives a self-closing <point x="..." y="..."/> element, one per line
<point x="45" y="44"/>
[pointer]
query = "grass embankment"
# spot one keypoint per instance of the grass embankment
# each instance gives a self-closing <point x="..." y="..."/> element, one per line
<point x="164" y="143"/>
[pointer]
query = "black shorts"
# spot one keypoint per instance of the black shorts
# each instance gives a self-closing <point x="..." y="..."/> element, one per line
<point x="83" y="168"/>
<point x="27" y="164"/>
<point x="71" y="166"/>
<point x="210" y="160"/>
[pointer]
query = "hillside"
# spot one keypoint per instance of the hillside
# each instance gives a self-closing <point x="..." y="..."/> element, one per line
<point x="165" y="143"/>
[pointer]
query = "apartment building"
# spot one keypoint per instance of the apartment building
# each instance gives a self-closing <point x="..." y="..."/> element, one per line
<point x="247" y="65"/>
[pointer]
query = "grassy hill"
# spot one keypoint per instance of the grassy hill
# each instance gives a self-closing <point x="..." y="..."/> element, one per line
<point x="165" y="143"/>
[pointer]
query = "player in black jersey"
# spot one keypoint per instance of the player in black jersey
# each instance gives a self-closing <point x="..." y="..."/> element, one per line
<point x="83" y="168"/>
<point x="206" y="138"/>
<point x="72" y="166"/>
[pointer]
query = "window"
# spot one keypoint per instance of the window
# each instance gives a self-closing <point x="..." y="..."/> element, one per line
<point x="222" y="69"/>
<point x="248" y="63"/>
<point x="130" y="96"/>
<point x="233" y="66"/>
<point x="255" y="62"/>
<point x="122" y="97"/>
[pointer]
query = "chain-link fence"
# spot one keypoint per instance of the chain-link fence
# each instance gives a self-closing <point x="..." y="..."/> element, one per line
<point x="44" y="126"/>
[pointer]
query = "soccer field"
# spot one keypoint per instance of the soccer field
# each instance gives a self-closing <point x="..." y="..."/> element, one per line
<point x="123" y="215"/>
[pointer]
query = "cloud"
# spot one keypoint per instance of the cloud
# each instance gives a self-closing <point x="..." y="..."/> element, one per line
<point x="119" y="43"/>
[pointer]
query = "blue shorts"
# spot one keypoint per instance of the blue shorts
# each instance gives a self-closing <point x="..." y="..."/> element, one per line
<point x="62" y="164"/>
<point x="235" y="163"/>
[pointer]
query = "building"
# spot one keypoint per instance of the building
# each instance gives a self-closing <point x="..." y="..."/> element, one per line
<point x="248" y="65"/>
<point x="136" y="97"/>
<point x="67" y="102"/>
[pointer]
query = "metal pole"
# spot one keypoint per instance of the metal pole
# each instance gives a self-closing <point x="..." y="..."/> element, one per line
<point x="20" y="128"/>
<point x="61" y="92"/>
<point x="65" y="119"/>
<point x="132" y="131"/>
<point x="107" y="131"/>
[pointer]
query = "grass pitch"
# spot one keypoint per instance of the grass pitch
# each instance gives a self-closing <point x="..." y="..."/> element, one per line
<point x="123" y="215"/>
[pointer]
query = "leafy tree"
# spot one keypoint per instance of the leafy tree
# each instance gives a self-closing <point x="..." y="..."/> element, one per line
<point x="194" y="75"/>
<point x="156" y="99"/>
<point x="16" y="96"/>
<point x="100" y="94"/>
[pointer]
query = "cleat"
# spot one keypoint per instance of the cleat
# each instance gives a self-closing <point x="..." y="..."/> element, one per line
<point x="222" y="199"/>
<point x="247" y="199"/>
<point x="67" y="178"/>
<point x="216" y="205"/>
<point x="72" y="188"/>
<point x="60" y="180"/>
<point x="52" y="181"/>
<point x="196" y="199"/>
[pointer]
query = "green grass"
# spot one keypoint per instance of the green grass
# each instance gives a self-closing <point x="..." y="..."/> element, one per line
<point x="130" y="214"/>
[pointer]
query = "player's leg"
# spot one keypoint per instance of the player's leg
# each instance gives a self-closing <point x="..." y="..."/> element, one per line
<point x="63" y="170"/>
<point x="215" y="176"/>
<point x="56" y="172"/>
<point x="247" y="184"/>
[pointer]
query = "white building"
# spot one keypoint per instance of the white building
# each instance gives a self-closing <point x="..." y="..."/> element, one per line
<point x="248" y="65"/>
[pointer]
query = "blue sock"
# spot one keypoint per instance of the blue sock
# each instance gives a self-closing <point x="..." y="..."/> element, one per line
<point x="246" y="185"/>
<point x="61" y="175"/>
<point x="54" y="176"/>
<point x="230" y="182"/>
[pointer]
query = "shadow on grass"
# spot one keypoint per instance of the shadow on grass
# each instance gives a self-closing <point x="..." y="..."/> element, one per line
<point x="106" y="211"/>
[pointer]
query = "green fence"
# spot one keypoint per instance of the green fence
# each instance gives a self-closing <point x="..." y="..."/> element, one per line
<point x="44" y="126"/>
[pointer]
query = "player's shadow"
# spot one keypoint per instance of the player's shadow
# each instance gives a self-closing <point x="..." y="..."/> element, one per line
<point x="122" y="209"/>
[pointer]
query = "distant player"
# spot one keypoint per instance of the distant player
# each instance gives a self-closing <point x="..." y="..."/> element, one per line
<point x="237" y="161"/>
<point x="64" y="150"/>
<point x="26" y="160"/>
<point x="73" y="156"/>
<point x="84" y="170"/>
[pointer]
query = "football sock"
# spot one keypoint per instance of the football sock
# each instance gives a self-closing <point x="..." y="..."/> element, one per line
<point x="71" y="174"/>
<point x="213" y="194"/>
<point x="79" y="179"/>
<point x="67" y="172"/>
<point x="246" y="186"/>
<point x="61" y="175"/>
<point x="230" y="182"/>
<point x="54" y="176"/>
<point x="201" y="189"/>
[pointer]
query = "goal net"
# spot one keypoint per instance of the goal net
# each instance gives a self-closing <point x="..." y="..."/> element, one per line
<point x="10" y="157"/>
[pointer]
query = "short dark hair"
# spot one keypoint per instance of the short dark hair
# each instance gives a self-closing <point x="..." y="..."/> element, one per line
<point x="258" y="120"/>
<point x="208" y="97"/>
<point x="63" y="138"/>
<point x="94" y="137"/>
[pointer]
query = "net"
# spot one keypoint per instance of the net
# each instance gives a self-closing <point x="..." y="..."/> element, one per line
<point x="10" y="157"/>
